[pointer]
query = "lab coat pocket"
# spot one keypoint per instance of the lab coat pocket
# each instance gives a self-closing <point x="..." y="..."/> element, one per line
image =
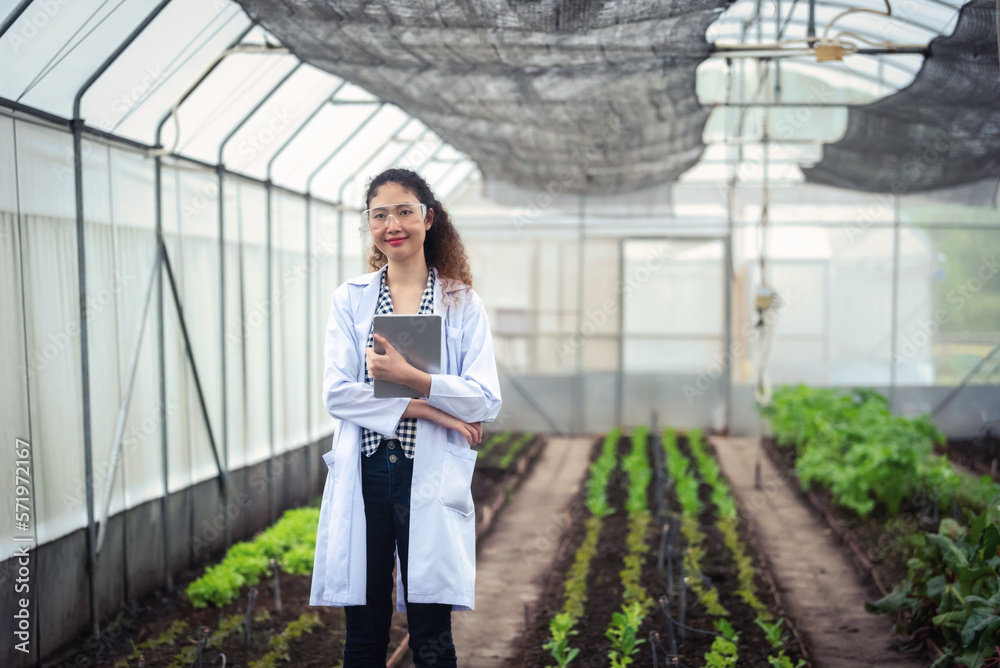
<point x="457" y="468"/>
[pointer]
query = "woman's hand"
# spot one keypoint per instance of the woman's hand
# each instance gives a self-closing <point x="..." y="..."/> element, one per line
<point x="393" y="367"/>
<point x="471" y="431"/>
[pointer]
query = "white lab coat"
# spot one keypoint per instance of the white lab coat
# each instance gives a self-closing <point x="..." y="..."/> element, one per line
<point x="442" y="554"/>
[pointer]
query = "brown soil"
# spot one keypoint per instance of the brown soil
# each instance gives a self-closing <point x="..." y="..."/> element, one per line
<point x="158" y="613"/>
<point x="604" y="593"/>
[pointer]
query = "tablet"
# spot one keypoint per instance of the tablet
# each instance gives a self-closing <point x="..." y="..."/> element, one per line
<point x="418" y="340"/>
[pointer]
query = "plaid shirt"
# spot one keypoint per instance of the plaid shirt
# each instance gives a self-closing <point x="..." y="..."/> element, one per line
<point x="407" y="428"/>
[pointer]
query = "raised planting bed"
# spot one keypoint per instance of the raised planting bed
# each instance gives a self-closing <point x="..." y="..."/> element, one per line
<point x="925" y="534"/>
<point x="615" y="593"/>
<point x="210" y="606"/>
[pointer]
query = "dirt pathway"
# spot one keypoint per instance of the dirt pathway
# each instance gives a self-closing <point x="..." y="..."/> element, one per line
<point x="819" y="586"/>
<point x="514" y="559"/>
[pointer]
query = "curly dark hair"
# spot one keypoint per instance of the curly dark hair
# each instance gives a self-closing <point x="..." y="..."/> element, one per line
<point x="443" y="248"/>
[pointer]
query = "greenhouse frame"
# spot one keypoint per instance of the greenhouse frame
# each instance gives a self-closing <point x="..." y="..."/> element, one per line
<point x="181" y="185"/>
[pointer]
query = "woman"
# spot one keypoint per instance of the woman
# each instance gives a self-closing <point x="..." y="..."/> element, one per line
<point x="400" y="471"/>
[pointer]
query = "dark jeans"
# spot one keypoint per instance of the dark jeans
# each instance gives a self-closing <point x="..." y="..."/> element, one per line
<point x="385" y="486"/>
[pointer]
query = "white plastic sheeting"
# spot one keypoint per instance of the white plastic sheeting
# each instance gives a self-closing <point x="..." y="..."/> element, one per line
<point x="43" y="337"/>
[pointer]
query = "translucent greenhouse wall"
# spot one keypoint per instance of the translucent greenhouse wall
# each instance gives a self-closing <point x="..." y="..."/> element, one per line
<point x="608" y="310"/>
<point x="43" y="402"/>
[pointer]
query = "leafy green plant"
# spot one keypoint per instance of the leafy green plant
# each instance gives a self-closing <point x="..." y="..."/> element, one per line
<point x="686" y="487"/>
<point x="575" y="593"/>
<point x="772" y="632"/>
<point x="218" y="586"/>
<point x="291" y="541"/>
<point x="639" y="474"/>
<point x="953" y="583"/>
<point x="723" y="653"/>
<point x="852" y="445"/>
<point x="782" y="661"/>
<point x="576" y="579"/>
<point x="622" y="634"/>
<point x="561" y="628"/>
<point x="599" y="474"/>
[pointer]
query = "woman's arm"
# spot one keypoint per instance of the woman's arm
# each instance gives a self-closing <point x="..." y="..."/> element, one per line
<point x="472" y="395"/>
<point x="345" y="397"/>
<point x="471" y="432"/>
<point x="348" y="399"/>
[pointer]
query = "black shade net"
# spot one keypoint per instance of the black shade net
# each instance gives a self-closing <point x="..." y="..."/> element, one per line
<point x="596" y="96"/>
<point x="942" y="130"/>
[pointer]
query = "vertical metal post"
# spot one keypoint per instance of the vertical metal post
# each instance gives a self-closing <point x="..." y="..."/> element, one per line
<point x="308" y="332"/>
<point x="88" y="453"/>
<point x="76" y="125"/>
<point x="220" y="171"/>
<point x="270" y="360"/>
<point x="620" y="381"/>
<point x="161" y="362"/>
<point x="578" y="393"/>
<point x="893" y="335"/>
<point x="308" y="199"/>
<point x="727" y="315"/>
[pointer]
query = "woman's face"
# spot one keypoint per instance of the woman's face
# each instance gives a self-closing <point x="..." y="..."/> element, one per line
<point x="398" y="239"/>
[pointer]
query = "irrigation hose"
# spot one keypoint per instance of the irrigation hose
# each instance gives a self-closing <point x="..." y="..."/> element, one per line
<point x="666" y="611"/>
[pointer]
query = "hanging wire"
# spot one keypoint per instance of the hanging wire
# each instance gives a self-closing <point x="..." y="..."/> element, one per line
<point x="56" y="59"/>
<point x="174" y="66"/>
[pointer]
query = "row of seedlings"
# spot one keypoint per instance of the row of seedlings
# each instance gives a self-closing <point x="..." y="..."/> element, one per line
<point x="686" y="488"/>
<point x="636" y="602"/>
<point x="288" y="544"/>
<point x="727" y="522"/>
<point x="575" y="588"/>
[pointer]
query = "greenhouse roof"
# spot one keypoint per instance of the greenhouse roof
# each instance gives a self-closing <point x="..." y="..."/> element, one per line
<point x="597" y="97"/>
